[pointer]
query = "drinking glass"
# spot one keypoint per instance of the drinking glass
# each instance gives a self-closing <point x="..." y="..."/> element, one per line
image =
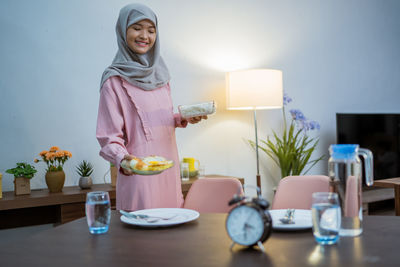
<point x="98" y="211"/>
<point x="202" y="171"/>
<point x="185" y="173"/>
<point x="326" y="217"/>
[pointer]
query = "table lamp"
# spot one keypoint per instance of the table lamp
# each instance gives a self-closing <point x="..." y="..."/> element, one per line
<point x="251" y="90"/>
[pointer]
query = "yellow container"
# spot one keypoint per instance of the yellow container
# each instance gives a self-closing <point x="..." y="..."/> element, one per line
<point x="1" y="187"/>
<point x="192" y="162"/>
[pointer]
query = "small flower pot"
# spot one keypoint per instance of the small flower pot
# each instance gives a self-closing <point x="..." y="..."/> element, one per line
<point x="55" y="181"/>
<point x="85" y="182"/>
<point x="22" y="186"/>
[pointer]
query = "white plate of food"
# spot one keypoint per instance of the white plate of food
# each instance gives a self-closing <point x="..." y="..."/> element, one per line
<point x="159" y="217"/>
<point x="302" y="220"/>
<point x="150" y="165"/>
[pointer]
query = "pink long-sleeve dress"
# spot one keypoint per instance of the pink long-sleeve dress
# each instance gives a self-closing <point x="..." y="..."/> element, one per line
<point x="141" y="123"/>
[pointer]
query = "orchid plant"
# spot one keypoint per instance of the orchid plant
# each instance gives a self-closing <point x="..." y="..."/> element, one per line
<point x="292" y="152"/>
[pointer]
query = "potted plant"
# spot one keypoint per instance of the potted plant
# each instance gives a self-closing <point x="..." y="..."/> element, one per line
<point x="292" y="152"/>
<point x="23" y="173"/>
<point x="85" y="169"/>
<point x="55" y="159"/>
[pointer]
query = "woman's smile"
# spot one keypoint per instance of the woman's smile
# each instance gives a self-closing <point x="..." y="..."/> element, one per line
<point x="142" y="44"/>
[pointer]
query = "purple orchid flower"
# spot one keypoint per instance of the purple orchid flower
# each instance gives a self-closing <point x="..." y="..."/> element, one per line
<point x="301" y="121"/>
<point x="297" y="115"/>
<point x="314" y="125"/>
<point x="307" y="125"/>
<point x="286" y="99"/>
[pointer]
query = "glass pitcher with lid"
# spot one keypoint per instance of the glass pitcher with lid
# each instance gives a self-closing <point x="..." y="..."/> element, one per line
<point x="344" y="170"/>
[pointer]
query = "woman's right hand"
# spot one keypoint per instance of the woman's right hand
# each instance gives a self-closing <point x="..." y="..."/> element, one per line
<point x="128" y="158"/>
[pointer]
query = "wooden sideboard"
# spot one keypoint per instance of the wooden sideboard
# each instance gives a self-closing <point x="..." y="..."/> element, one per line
<point x="43" y="207"/>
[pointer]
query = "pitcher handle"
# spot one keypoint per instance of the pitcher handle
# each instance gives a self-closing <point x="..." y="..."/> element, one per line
<point x="368" y="165"/>
<point x="104" y="177"/>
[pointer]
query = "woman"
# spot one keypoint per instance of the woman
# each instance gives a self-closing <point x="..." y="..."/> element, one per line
<point x="135" y="114"/>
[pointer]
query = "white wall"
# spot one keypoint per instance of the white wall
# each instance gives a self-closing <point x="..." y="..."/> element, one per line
<point x="336" y="56"/>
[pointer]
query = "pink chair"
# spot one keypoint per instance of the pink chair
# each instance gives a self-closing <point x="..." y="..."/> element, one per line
<point x="211" y="195"/>
<point x="353" y="199"/>
<point x="295" y="192"/>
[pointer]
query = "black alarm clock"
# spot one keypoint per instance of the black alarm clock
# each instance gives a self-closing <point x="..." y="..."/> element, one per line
<point x="249" y="222"/>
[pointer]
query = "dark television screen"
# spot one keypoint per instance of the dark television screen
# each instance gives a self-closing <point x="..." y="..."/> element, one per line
<point x="380" y="133"/>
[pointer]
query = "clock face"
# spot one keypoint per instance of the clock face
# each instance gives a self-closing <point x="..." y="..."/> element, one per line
<point x="245" y="225"/>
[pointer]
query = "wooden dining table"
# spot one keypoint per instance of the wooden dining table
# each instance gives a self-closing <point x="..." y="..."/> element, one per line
<point x="203" y="242"/>
<point x="395" y="184"/>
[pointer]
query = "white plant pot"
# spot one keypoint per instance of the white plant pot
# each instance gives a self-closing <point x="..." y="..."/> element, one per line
<point x="85" y="182"/>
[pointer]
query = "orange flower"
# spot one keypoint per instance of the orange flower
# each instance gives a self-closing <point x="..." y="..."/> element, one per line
<point x="44" y="152"/>
<point x="50" y="155"/>
<point x="54" y="148"/>
<point x="59" y="154"/>
<point x="36" y="160"/>
<point x="67" y="153"/>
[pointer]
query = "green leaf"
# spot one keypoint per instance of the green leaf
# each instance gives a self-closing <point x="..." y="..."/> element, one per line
<point x="84" y="169"/>
<point x="23" y="170"/>
<point x="292" y="151"/>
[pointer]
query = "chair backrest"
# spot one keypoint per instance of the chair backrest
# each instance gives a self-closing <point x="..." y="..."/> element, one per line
<point x="295" y="192"/>
<point x="353" y="199"/>
<point x="211" y="195"/>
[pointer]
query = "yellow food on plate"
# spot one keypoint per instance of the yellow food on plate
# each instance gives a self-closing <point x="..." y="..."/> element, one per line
<point x="151" y="163"/>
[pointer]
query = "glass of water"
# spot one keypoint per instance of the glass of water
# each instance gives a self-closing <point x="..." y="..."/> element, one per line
<point x="202" y="171"/>
<point x="185" y="173"/>
<point x="326" y="217"/>
<point x="98" y="211"/>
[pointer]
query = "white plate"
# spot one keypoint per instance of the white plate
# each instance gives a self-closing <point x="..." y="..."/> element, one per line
<point x="149" y="172"/>
<point x="180" y="216"/>
<point x="302" y="220"/>
<point x="141" y="172"/>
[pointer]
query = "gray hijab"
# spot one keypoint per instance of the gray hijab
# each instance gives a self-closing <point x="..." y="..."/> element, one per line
<point x="147" y="71"/>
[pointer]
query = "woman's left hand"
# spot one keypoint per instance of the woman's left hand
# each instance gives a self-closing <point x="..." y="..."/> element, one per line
<point x="194" y="120"/>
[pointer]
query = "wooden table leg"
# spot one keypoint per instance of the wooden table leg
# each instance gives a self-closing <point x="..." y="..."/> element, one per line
<point x="397" y="199"/>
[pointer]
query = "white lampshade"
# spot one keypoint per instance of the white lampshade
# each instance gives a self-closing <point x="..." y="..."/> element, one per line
<point x="254" y="89"/>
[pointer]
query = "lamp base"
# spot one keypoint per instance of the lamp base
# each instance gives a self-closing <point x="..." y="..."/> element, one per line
<point x="259" y="181"/>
